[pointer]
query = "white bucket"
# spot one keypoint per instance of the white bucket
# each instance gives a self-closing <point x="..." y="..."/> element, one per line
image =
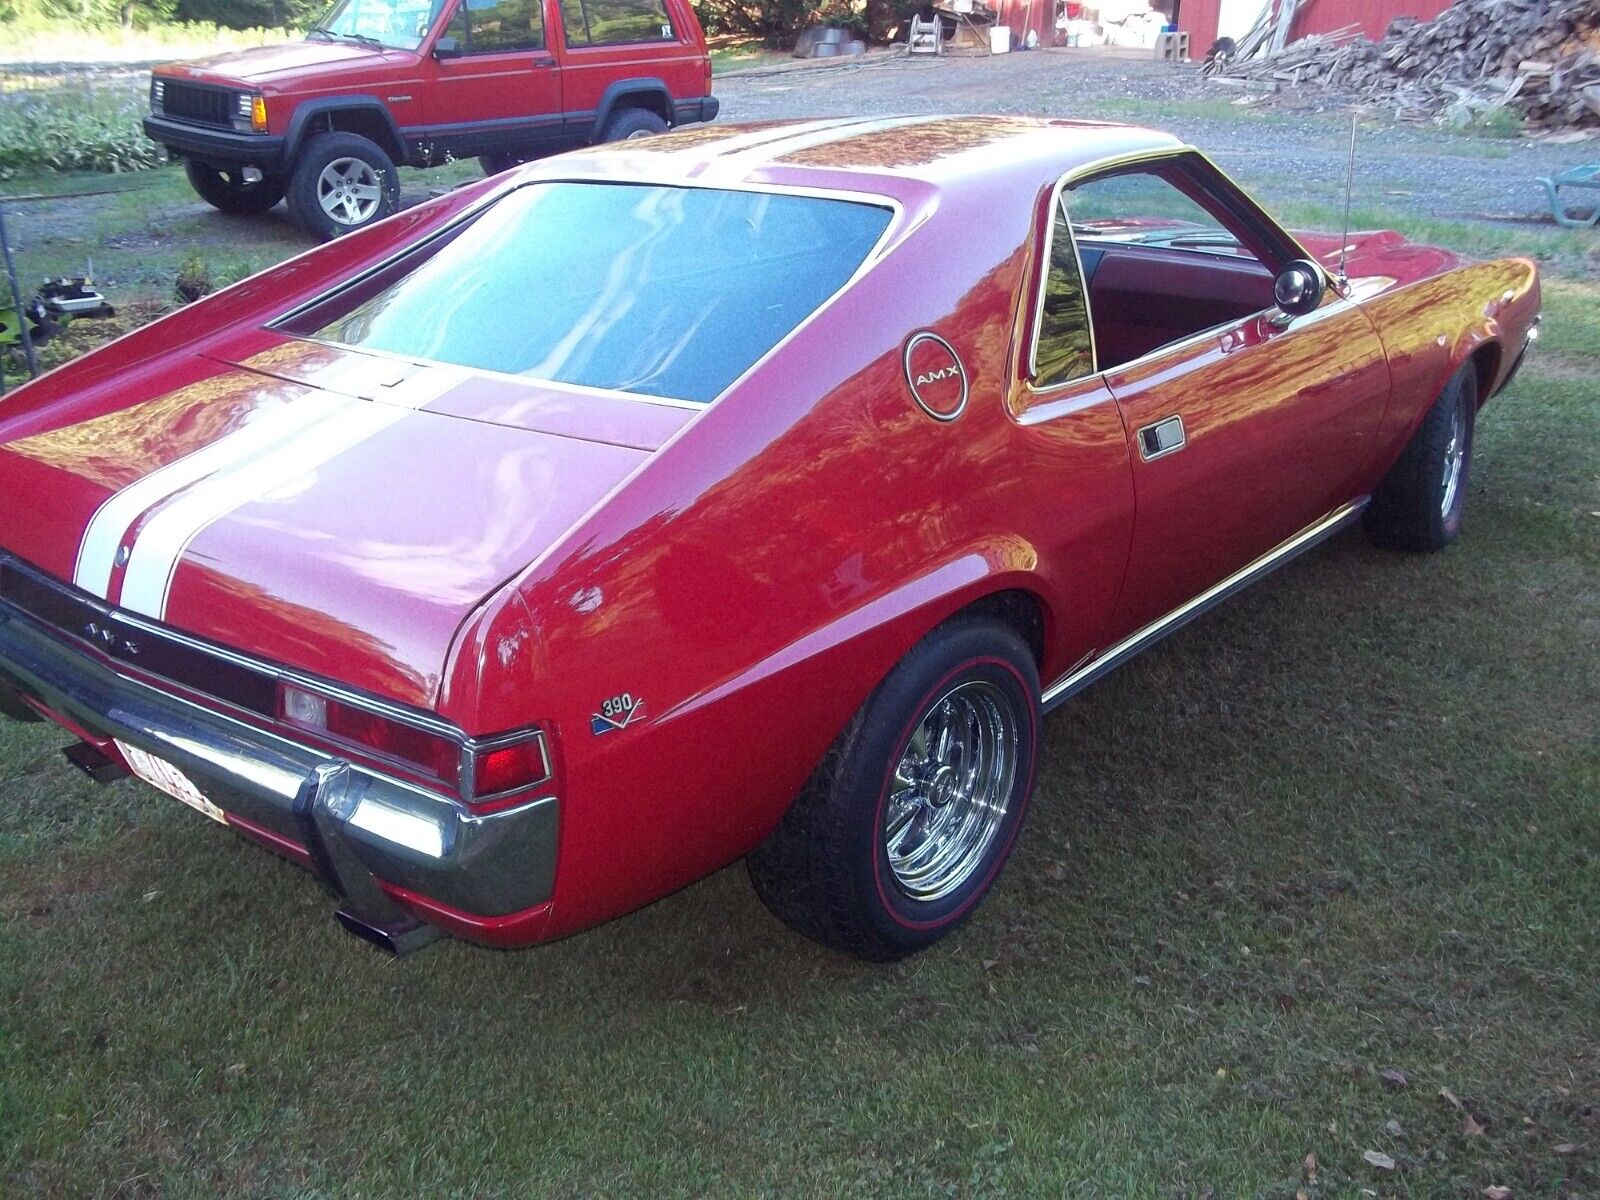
<point x="1000" y="39"/>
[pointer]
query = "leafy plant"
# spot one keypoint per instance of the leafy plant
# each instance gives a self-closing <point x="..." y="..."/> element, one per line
<point x="74" y="130"/>
<point x="1499" y="122"/>
<point x="778" y="22"/>
<point x="194" y="279"/>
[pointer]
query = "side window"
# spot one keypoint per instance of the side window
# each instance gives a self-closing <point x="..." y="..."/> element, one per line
<point x="1165" y="257"/>
<point x="1141" y="206"/>
<point x="577" y="27"/>
<point x="498" y="26"/>
<point x="1063" y="349"/>
<point x="616" y="22"/>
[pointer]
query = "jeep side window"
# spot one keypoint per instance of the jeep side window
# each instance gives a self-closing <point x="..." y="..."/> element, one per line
<point x="615" y="22"/>
<point x="1062" y="346"/>
<point x="498" y="26"/>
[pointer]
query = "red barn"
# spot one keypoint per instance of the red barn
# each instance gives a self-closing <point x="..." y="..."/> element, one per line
<point x="1207" y="19"/>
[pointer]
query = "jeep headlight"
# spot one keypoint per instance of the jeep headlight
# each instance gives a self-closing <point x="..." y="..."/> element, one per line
<point x="251" y="114"/>
<point x="158" y="97"/>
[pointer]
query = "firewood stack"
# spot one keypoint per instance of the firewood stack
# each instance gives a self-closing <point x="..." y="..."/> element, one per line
<point x="1539" y="58"/>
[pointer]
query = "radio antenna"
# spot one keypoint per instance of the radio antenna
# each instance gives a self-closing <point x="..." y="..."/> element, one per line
<point x="1349" y="187"/>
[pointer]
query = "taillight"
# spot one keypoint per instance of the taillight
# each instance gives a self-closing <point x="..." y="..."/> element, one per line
<point x="506" y="765"/>
<point x="485" y="772"/>
<point x="433" y="755"/>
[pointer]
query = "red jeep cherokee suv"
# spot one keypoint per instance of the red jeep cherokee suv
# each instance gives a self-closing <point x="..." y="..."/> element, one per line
<point x="322" y="122"/>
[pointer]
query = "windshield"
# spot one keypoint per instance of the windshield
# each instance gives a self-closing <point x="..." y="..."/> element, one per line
<point x="399" y="23"/>
<point x="664" y="291"/>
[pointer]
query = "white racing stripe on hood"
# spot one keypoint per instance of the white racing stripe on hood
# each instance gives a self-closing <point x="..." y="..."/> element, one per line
<point x="111" y="521"/>
<point x="168" y="533"/>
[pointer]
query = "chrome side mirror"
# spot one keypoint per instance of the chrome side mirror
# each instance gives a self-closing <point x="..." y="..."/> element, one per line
<point x="1298" y="288"/>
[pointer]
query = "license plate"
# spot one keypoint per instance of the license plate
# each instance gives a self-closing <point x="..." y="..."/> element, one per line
<point x="165" y="777"/>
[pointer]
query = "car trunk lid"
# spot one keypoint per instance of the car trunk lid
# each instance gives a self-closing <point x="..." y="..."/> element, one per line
<point x="317" y="507"/>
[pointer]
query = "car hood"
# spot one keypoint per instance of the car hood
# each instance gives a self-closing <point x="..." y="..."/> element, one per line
<point x="319" y="508"/>
<point x="264" y="64"/>
<point x="1377" y="260"/>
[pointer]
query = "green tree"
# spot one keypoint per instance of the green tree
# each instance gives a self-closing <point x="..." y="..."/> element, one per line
<point x="250" y="14"/>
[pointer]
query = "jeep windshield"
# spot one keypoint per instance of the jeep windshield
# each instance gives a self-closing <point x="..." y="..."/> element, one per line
<point x="656" y="290"/>
<point x="398" y="23"/>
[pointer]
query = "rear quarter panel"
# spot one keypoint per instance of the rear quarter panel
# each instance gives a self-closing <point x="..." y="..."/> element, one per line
<point x="759" y="577"/>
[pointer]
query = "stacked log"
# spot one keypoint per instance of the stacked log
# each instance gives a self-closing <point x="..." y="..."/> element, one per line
<point x="1537" y="58"/>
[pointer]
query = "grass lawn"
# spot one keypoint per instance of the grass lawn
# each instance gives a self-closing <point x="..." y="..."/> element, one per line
<point x="1312" y="884"/>
<point x="729" y="53"/>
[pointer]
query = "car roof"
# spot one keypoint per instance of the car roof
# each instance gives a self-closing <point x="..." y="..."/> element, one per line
<point x="942" y="151"/>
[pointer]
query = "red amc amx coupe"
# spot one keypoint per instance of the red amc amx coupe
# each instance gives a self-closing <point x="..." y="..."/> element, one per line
<point x="743" y="491"/>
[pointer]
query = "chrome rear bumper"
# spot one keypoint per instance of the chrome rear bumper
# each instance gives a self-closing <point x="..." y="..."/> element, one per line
<point x="357" y="826"/>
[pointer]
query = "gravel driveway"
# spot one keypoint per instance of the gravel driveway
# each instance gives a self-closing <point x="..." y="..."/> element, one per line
<point x="1283" y="156"/>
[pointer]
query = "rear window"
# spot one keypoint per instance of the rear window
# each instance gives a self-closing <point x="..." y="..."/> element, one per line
<point x="662" y="291"/>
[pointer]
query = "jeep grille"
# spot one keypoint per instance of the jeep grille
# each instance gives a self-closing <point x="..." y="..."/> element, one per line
<point x="199" y="104"/>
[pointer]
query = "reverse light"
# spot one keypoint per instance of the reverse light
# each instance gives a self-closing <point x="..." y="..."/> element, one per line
<point x="436" y="756"/>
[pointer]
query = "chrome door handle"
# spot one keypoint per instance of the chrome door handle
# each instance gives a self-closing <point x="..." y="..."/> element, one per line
<point x="1166" y="436"/>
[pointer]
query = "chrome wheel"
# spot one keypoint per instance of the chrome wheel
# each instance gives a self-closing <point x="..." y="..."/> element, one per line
<point x="1455" y="455"/>
<point x="349" y="191"/>
<point x="951" y="789"/>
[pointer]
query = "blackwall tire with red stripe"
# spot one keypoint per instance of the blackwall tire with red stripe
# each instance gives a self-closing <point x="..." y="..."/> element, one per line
<point x="905" y="824"/>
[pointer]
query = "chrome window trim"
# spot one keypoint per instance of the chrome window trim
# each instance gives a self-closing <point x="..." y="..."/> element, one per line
<point x="892" y="230"/>
<point x="1057" y="205"/>
<point x="1138" y="158"/>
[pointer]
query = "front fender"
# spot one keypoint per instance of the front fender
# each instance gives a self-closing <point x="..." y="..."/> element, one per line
<point x="1432" y="327"/>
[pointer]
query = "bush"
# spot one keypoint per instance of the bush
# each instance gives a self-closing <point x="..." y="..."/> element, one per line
<point x="51" y="40"/>
<point x="75" y="130"/>
<point x="778" y="22"/>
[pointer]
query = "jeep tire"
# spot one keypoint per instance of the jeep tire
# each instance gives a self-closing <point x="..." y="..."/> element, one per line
<point x="227" y="190"/>
<point x="628" y="123"/>
<point x="497" y="161"/>
<point x="342" y="182"/>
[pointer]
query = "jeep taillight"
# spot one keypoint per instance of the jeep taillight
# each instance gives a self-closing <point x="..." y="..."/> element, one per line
<point x="487" y="773"/>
